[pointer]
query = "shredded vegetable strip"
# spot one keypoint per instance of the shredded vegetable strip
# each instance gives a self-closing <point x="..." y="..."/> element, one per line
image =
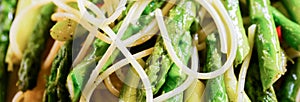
<point x="245" y="65"/>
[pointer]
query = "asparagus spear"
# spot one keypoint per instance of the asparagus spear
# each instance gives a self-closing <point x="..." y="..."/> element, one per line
<point x="233" y="10"/>
<point x="56" y="89"/>
<point x="81" y="72"/>
<point x="291" y="83"/>
<point x="293" y="7"/>
<point x="290" y="30"/>
<point x="178" y="25"/>
<point x="6" y="16"/>
<point x="215" y="88"/>
<point x="253" y="86"/>
<point x="271" y="62"/>
<point x="31" y="60"/>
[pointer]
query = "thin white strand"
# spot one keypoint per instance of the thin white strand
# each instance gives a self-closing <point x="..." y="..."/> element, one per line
<point x="218" y="21"/>
<point x="66" y="7"/>
<point x="121" y="7"/>
<point x="245" y="65"/>
<point x="94" y="9"/>
<point x="120" y="64"/>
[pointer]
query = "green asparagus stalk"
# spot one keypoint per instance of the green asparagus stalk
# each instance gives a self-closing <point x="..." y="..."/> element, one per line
<point x="271" y="62"/>
<point x="31" y="61"/>
<point x="157" y="66"/>
<point x="178" y="25"/>
<point x="291" y="83"/>
<point x="215" y="88"/>
<point x="56" y="89"/>
<point x="293" y="7"/>
<point x="290" y="30"/>
<point x="234" y="12"/>
<point x="6" y="17"/>
<point x="253" y="86"/>
<point x="80" y="74"/>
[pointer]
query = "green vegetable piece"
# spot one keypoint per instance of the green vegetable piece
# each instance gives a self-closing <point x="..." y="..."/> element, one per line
<point x="31" y="61"/>
<point x="80" y="74"/>
<point x="293" y="7"/>
<point x="291" y="83"/>
<point x="271" y="60"/>
<point x="178" y="25"/>
<point x="56" y="89"/>
<point x="82" y="71"/>
<point x="253" y="86"/>
<point x="158" y="65"/>
<point x="6" y="17"/>
<point x="215" y="88"/>
<point x="63" y="30"/>
<point x="234" y="12"/>
<point x="290" y="30"/>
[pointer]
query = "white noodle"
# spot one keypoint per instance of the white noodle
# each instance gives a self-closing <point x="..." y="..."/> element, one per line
<point x="117" y="13"/>
<point x="244" y="68"/>
<point x="88" y="42"/>
<point x="94" y="9"/>
<point x="185" y="84"/>
<point x="87" y="16"/>
<point x="66" y="7"/>
<point x="120" y="64"/>
<point x="143" y="4"/>
<point x="221" y="27"/>
<point x="55" y="48"/>
<point x="18" y="97"/>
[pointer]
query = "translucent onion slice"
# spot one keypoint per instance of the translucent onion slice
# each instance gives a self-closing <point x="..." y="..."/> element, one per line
<point x="87" y="43"/>
<point x="245" y="65"/>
